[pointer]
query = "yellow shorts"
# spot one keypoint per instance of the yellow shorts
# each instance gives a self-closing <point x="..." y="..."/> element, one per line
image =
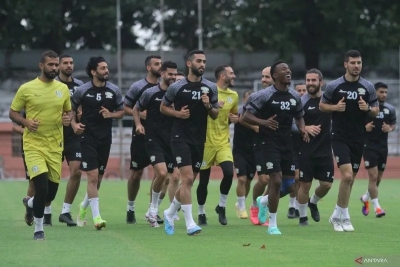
<point x="216" y="155"/>
<point x="38" y="162"/>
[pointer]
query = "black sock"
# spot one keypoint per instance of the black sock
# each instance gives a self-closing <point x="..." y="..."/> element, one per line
<point x="202" y="187"/>
<point x="226" y="183"/>
<point x="41" y="189"/>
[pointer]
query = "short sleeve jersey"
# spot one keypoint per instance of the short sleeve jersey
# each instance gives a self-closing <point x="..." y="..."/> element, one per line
<point x="185" y="93"/>
<point x="286" y="105"/>
<point x="69" y="135"/>
<point x="320" y="145"/>
<point x="92" y="99"/>
<point x="256" y="137"/>
<point x="349" y="126"/>
<point x="46" y="103"/>
<point x="378" y="139"/>
<point x="134" y="93"/>
<point x="242" y="137"/>
<point x="218" y="132"/>
<point x="157" y="124"/>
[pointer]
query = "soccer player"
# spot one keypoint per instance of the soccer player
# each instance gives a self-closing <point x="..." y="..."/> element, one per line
<point x="139" y="156"/>
<point x="158" y="134"/>
<point x="315" y="157"/>
<point x="194" y="99"/>
<point x="72" y="146"/>
<point x="101" y="102"/>
<point x="293" y="211"/>
<point x="273" y="109"/>
<point x="376" y="148"/>
<point x="243" y="158"/>
<point x="46" y="112"/>
<point x="350" y="99"/>
<point x="217" y="148"/>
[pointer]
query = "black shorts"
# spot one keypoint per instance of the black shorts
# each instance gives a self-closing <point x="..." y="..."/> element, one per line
<point x="187" y="154"/>
<point x="245" y="164"/>
<point x="375" y="158"/>
<point x="261" y="168"/>
<point x="319" y="168"/>
<point x="25" y="167"/>
<point x="160" y="152"/>
<point x="139" y="156"/>
<point x="279" y="160"/>
<point x="72" y="151"/>
<point x="296" y="159"/>
<point x="94" y="156"/>
<point x="348" y="153"/>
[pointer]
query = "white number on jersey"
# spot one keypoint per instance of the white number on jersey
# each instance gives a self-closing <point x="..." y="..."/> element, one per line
<point x="196" y="95"/>
<point x="352" y="95"/>
<point x="285" y="105"/>
<point x="380" y="115"/>
<point x="98" y="96"/>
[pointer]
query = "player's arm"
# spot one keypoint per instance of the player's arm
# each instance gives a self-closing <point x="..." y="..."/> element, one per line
<point x="254" y="105"/>
<point x="17" y="129"/>
<point x="67" y="108"/>
<point x="168" y="101"/>
<point x="141" y="106"/>
<point x="119" y="110"/>
<point x="76" y="102"/>
<point x="325" y="104"/>
<point x="234" y="113"/>
<point x="245" y="124"/>
<point x="372" y="105"/>
<point x="17" y="105"/>
<point x="391" y="126"/>
<point x="211" y="103"/>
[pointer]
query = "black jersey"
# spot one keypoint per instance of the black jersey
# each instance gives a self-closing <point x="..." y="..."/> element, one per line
<point x="92" y="99"/>
<point x="134" y="93"/>
<point x="285" y="105"/>
<point x="69" y="135"/>
<point x="296" y="138"/>
<point x="186" y="93"/>
<point x="349" y="126"/>
<point x="243" y="136"/>
<point x="320" y="145"/>
<point x="157" y="124"/>
<point x="377" y="139"/>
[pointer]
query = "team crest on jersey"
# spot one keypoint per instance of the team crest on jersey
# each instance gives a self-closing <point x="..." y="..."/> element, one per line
<point x="361" y="91"/>
<point x="59" y="94"/>
<point x="205" y="90"/>
<point x="229" y="99"/>
<point x="385" y="111"/>
<point x="292" y="102"/>
<point x="109" y="95"/>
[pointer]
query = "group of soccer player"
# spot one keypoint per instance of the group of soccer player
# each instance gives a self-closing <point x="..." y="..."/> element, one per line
<point x="181" y="128"/>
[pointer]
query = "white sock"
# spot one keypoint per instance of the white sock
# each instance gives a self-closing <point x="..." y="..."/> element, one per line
<point x="303" y="210"/>
<point x="154" y="199"/>
<point x="85" y="202"/>
<point x="241" y="203"/>
<point x="264" y="200"/>
<point x="292" y="202"/>
<point x="345" y="213"/>
<point x="337" y="212"/>
<point x="175" y="205"/>
<point x="222" y="200"/>
<point x="30" y="202"/>
<point x="202" y="209"/>
<point x="314" y="199"/>
<point x="47" y="210"/>
<point x="130" y="206"/>
<point x="365" y="197"/>
<point x="376" y="203"/>
<point x="159" y="201"/>
<point x="254" y="204"/>
<point x="38" y="224"/>
<point x="296" y="205"/>
<point x="66" y="208"/>
<point x="94" y="205"/>
<point x="272" y="220"/>
<point x="187" y="212"/>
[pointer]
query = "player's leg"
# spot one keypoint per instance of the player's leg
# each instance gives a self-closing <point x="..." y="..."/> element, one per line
<point x="173" y="186"/>
<point x="224" y="159"/>
<point x="293" y="211"/>
<point x="30" y="192"/>
<point x="241" y="190"/>
<point x="202" y="191"/>
<point x="73" y="157"/>
<point x="306" y="175"/>
<point x="38" y="172"/>
<point x="323" y="171"/>
<point x="54" y="165"/>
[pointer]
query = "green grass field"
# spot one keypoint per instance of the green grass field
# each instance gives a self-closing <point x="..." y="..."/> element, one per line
<point x="139" y="245"/>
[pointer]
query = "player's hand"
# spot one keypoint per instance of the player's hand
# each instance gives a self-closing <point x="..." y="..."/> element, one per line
<point x="221" y="104"/>
<point x="32" y="125"/>
<point x="369" y="126"/>
<point x="206" y="100"/>
<point x="362" y="104"/>
<point x="255" y="128"/>
<point x="79" y="113"/>
<point x="139" y="129"/>
<point x="184" y="113"/>
<point x="313" y="130"/>
<point x="304" y="134"/>
<point x="386" y="128"/>
<point x="78" y="128"/>
<point x="341" y="105"/>
<point x="233" y="118"/>
<point x="66" y="120"/>
<point x="143" y="114"/>
<point x="271" y="123"/>
<point x="105" y="113"/>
